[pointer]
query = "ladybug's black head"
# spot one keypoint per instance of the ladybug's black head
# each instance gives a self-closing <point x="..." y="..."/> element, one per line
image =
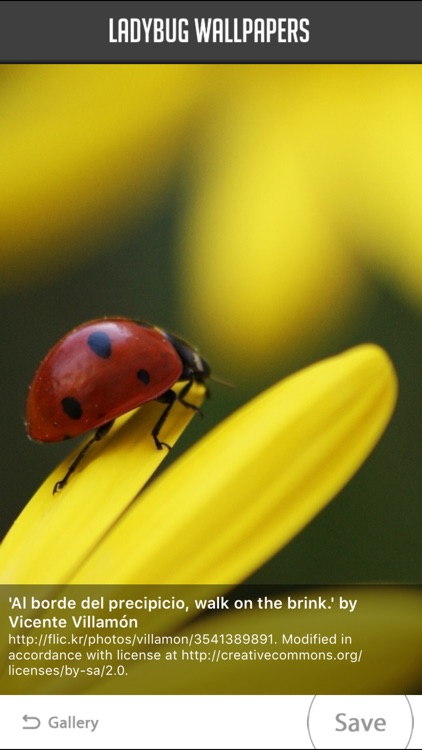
<point x="194" y="366"/>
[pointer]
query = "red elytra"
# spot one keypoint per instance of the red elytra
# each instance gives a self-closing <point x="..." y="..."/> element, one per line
<point x="103" y="369"/>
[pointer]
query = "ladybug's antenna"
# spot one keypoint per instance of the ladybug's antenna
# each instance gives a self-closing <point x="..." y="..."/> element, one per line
<point x="221" y="381"/>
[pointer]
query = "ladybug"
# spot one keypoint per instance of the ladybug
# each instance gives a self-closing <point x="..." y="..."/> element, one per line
<point x="103" y="369"/>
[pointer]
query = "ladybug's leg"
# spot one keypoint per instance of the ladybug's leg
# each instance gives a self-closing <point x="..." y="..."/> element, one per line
<point x="169" y="397"/>
<point x="100" y="433"/>
<point x="184" y="392"/>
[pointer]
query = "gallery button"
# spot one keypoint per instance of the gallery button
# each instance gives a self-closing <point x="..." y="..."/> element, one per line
<point x="355" y="721"/>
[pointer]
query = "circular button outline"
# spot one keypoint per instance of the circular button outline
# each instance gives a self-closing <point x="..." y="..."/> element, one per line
<point x="404" y="696"/>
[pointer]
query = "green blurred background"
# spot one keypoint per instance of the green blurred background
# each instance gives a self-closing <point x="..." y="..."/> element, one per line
<point x="162" y="193"/>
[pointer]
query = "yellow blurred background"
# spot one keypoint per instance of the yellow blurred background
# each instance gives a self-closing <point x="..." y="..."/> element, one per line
<point x="268" y="213"/>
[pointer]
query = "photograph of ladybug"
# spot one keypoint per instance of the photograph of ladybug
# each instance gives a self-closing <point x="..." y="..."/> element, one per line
<point x="267" y="213"/>
<point x="103" y="369"/>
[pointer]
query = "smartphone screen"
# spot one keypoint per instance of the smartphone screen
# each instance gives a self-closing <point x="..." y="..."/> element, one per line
<point x="211" y="253"/>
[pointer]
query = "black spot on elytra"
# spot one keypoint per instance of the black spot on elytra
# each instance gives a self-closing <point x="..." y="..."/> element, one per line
<point x="72" y="407"/>
<point x="143" y="376"/>
<point x="99" y="342"/>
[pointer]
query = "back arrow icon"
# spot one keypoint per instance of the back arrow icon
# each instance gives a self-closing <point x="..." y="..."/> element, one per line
<point x="31" y="718"/>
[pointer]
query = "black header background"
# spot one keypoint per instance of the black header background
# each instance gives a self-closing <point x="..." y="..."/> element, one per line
<point x="339" y="32"/>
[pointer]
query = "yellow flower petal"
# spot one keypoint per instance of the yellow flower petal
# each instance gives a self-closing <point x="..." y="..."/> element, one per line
<point x="365" y="142"/>
<point x="54" y="534"/>
<point x="247" y="488"/>
<point x="296" y="195"/>
<point x="258" y="217"/>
